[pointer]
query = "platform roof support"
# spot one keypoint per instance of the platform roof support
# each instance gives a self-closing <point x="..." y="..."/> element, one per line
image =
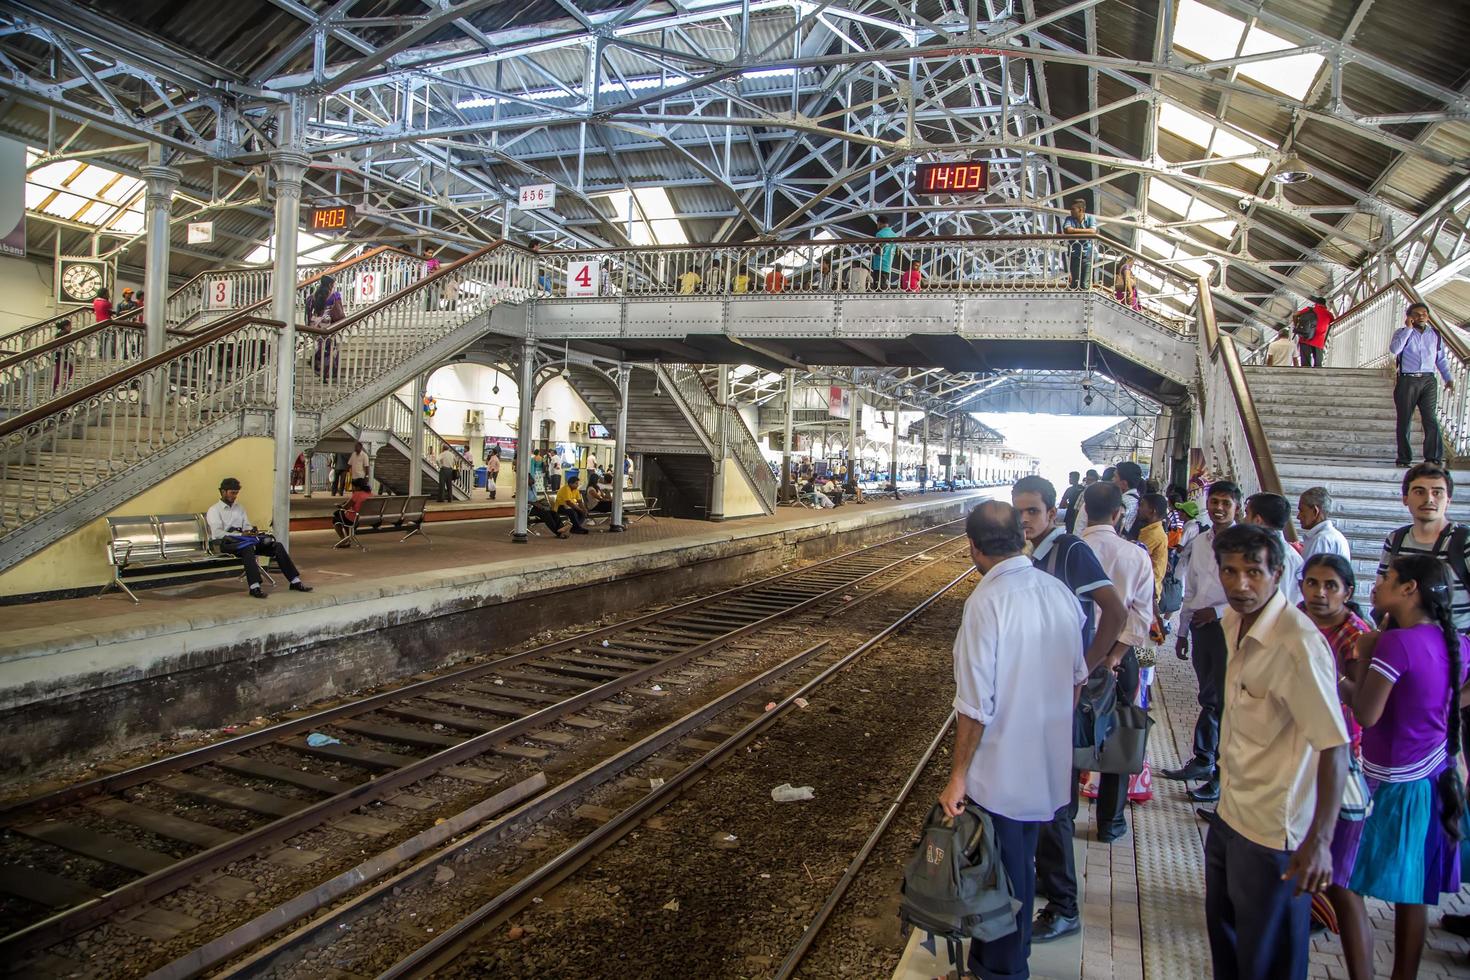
<point x="786" y="490"/>
<point x="158" y="204"/>
<point x="620" y="447"/>
<point x="416" y="464"/>
<point x="290" y="165"/>
<point x="717" y="487"/>
<point x="524" y="433"/>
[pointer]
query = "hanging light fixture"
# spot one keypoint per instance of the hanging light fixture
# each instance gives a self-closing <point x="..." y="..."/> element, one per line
<point x="1292" y="170"/>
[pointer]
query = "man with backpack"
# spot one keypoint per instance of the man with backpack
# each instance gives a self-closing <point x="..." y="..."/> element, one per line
<point x="1309" y="325"/>
<point x="1069" y="560"/>
<point x="1427" y="490"/>
<point x="1019" y="666"/>
<point x="1418" y="351"/>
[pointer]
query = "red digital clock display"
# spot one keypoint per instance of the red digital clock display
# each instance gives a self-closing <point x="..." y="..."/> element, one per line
<point x="338" y="217"/>
<point x="952" y="178"/>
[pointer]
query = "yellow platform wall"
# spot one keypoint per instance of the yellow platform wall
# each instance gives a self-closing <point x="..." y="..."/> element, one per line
<point x="740" y="499"/>
<point x="77" y="560"/>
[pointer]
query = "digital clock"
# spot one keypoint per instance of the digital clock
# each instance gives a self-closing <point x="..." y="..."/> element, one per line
<point x="952" y="178"/>
<point x="337" y="217"/>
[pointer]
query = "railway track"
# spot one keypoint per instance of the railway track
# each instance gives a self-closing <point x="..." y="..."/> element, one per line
<point x="703" y="747"/>
<point x="109" y="849"/>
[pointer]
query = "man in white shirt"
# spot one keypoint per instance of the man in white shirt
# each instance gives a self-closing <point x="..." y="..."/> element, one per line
<point x="357" y="464"/>
<point x="553" y="471"/>
<point x="1201" y="639"/>
<point x="1132" y="575"/>
<point x="1282" y="352"/>
<point x="232" y="533"/>
<point x="1271" y="511"/>
<point x="448" y="463"/>
<point x="1019" y="668"/>
<point x="1283" y="765"/>
<point x="1319" y="535"/>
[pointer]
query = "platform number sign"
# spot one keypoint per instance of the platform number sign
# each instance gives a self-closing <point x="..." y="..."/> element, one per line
<point x="535" y="196"/>
<point x="219" y="294"/>
<point x="369" y="287"/>
<point x="582" y="278"/>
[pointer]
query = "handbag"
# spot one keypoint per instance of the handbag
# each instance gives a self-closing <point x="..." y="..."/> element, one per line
<point x="1123" y="752"/>
<point x="1357" y="799"/>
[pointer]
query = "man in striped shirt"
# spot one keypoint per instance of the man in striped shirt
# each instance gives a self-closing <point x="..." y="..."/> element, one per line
<point x="1427" y="490"/>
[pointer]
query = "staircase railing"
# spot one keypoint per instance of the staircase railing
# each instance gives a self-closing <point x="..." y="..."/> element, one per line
<point x="1234" y="439"/>
<point x="94" y="434"/>
<point x="1359" y="339"/>
<point x="996" y="263"/>
<point x="701" y="406"/>
<point x="393" y="414"/>
<point x="65" y="362"/>
<point x="349" y="356"/>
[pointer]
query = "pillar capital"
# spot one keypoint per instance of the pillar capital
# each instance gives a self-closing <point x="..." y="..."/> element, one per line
<point x="162" y="183"/>
<point x="290" y="166"/>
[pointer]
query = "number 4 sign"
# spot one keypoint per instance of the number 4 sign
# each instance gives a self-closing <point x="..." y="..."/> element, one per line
<point x="219" y="294"/>
<point x="582" y="278"/>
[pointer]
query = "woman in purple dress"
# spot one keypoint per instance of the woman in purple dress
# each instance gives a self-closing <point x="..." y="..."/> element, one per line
<point x="1407" y="692"/>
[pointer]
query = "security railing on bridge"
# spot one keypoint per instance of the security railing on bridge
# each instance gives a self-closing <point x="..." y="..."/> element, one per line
<point x="393" y="414"/>
<point x="900" y="265"/>
<point x="1359" y="339"/>
<point x="66" y="362"/>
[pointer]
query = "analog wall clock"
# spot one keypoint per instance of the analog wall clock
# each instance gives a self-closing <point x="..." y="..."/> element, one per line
<point x="78" y="280"/>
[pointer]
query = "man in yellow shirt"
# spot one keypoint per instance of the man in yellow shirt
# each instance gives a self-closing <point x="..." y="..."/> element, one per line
<point x="1152" y="510"/>
<point x="569" y="504"/>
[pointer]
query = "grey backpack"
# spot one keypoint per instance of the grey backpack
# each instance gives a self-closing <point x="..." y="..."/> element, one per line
<point x="955" y="886"/>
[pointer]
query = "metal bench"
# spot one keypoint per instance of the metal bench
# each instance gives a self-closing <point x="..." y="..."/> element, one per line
<point x="159" y="544"/>
<point x="387" y="514"/>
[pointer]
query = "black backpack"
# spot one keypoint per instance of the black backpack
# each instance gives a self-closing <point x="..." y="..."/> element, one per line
<point x="954" y="885"/>
<point x="1459" y="535"/>
<point x="1304" y="324"/>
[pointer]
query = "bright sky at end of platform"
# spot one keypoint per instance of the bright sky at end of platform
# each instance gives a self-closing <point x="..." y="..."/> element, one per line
<point x="1056" y="440"/>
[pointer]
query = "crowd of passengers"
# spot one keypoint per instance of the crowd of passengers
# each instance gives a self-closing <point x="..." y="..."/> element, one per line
<point x="1329" y="732"/>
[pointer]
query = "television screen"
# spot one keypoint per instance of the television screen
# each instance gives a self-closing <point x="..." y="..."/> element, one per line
<point x="595" y="431"/>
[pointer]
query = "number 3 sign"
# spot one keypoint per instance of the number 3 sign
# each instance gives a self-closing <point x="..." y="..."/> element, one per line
<point x="369" y="288"/>
<point x="219" y="294"/>
<point x="582" y="278"/>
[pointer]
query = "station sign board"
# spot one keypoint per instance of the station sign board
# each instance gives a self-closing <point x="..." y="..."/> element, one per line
<point x="369" y="287"/>
<point x="583" y="278"/>
<point x="534" y="196"/>
<point x="219" y="294"/>
<point x="201" y="232"/>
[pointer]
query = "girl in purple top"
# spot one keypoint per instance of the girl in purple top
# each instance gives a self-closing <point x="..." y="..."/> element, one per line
<point x="1408" y="684"/>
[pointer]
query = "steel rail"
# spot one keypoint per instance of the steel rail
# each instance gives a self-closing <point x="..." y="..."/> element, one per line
<point x="448" y="945"/>
<point x="809" y="934"/>
<point x="77" y="918"/>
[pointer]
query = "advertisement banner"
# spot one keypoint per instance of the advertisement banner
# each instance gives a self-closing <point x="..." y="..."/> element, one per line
<point x="12" y="201"/>
<point x="839" y="402"/>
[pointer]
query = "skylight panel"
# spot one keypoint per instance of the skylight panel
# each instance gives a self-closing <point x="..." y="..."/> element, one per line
<point x="1169" y="197"/>
<point x="1225" y="229"/>
<point x="65" y="205"/>
<point x="1291" y="76"/>
<point x="1206" y="32"/>
<point x="1229" y="145"/>
<point x="52" y="175"/>
<point x="1149" y="242"/>
<point x="654" y="203"/>
<point x="1184" y="125"/>
<point x="1200" y="209"/>
<point x="128" y="223"/>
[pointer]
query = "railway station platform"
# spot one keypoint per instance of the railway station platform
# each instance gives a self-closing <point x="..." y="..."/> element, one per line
<point x="80" y="674"/>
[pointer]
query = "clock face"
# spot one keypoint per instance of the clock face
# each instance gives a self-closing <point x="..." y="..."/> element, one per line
<point x="80" y="281"/>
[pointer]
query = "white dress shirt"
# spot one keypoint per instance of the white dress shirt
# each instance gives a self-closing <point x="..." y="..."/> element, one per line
<point x="1131" y="573"/>
<point x="1130" y="508"/>
<point x="1281" y="712"/>
<point x="223" y="517"/>
<point x="1017" y="659"/>
<point x="447" y="459"/>
<point x="1291" y="571"/>
<point x="1202" y="588"/>
<point x="1323" y="538"/>
<point x="357" y="465"/>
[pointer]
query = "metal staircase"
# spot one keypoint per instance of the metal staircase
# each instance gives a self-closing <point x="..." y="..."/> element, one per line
<point x="672" y="412"/>
<point x="74" y="458"/>
<point x="47" y="364"/>
<point x="394" y="417"/>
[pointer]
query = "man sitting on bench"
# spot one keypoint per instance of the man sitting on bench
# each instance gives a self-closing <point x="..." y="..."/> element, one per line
<point x="232" y="532"/>
<point x="569" y="504"/>
<point x="536" y="509"/>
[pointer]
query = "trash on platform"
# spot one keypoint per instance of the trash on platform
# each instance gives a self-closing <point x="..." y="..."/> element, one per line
<point x="438" y="727"/>
<point x="654" y="782"/>
<point x="786" y="793"/>
<point x="672" y="905"/>
<point x="847" y="598"/>
<point x="316" y="740"/>
<point x="724" y="841"/>
<point x="656" y="687"/>
<point x="604" y="643"/>
<point x="802" y="702"/>
<point x="499" y="681"/>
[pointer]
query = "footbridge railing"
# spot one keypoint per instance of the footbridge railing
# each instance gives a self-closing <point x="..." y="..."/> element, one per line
<point x="396" y="416"/>
<point x="994" y="263"/>
<point x="65" y="362"/>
